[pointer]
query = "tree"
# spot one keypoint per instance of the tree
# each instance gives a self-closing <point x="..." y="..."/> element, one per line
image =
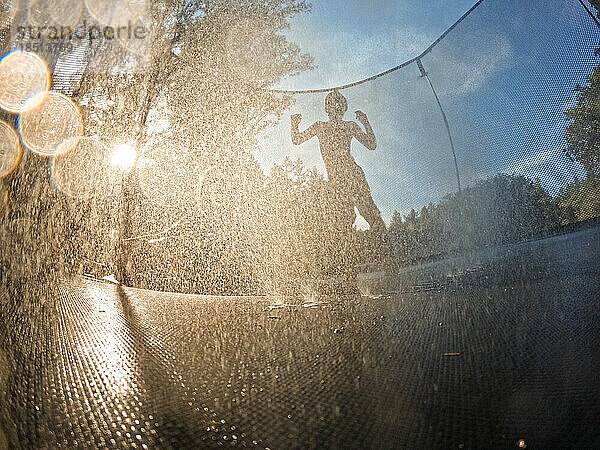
<point x="496" y="211"/>
<point x="581" y="198"/>
<point x="307" y="232"/>
<point x="583" y="133"/>
<point x="583" y="145"/>
<point x="212" y="95"/>
<point x="202" y="74"/>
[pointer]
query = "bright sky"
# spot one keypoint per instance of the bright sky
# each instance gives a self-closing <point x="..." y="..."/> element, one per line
<point x="354" y="39"/>
<point x="504" y="77"/>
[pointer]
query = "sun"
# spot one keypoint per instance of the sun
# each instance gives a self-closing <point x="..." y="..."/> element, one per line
<point x="123" y="156"/>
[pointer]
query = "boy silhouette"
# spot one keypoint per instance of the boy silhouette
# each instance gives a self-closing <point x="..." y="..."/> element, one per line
<point x="345" y="176"/>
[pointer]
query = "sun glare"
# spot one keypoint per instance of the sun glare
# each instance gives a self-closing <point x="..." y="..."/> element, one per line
<point x="123" y="157"/>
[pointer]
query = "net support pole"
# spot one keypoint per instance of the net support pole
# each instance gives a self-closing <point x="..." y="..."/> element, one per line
<point x="437" y="99"/>
<point x="590" y="13"/>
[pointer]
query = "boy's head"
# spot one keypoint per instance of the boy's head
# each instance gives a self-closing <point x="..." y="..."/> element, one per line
<point x="335" y="105"/>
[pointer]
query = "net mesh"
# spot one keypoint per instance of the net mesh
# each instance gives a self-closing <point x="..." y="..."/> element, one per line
<point x="468" y="320"/>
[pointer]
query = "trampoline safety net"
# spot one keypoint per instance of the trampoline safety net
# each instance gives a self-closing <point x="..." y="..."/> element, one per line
<point x="211" y="236"/>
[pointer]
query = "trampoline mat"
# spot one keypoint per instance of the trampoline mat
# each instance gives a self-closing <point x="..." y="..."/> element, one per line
<point x="93" y="364"/>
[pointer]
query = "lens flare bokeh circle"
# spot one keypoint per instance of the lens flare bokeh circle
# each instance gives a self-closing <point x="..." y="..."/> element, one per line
<point x="85" y="171"/>
<point x="10" y="149"/>
<point x="134" y="27"/>
<point x="52" y="127"/>
<point x="23" y="77"/>
<point x="54" y="13"/>
<point x="101" y="10"/>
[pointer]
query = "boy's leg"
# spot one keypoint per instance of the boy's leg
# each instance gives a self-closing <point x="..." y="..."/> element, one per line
<point x="342" y="206"/>
<point x="371" y="213"/>
<point x="367" y="207"/>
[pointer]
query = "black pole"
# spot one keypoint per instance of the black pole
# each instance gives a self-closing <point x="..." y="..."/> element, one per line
<point x="590" y="13"/>
<point x="437" y="99"/>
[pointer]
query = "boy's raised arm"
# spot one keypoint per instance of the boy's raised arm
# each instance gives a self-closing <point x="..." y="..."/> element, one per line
<point x="365" y="138"/>
<point x="297" y="137"/>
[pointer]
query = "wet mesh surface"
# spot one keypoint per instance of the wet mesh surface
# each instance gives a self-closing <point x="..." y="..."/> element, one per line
<point x="94" y="365"/>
